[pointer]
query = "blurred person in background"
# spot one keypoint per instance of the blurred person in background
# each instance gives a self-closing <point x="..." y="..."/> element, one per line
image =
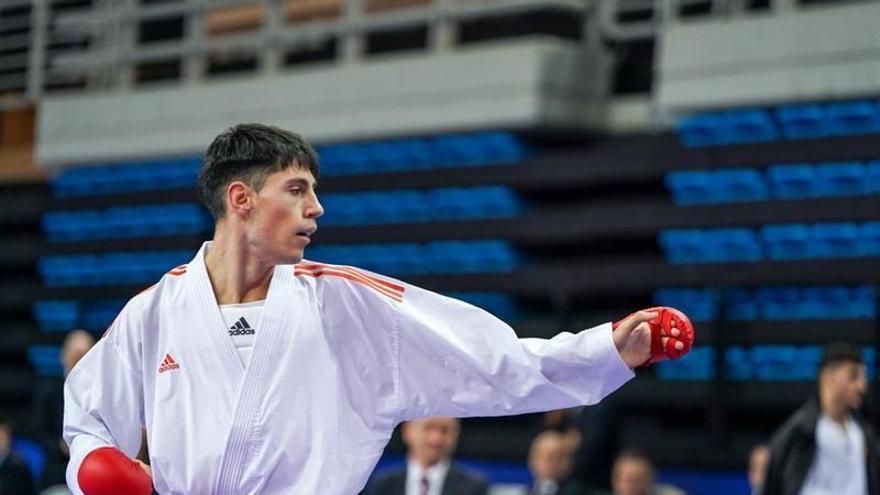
<point x="633" y="474"/>
<point x="48" y="411"/>
<point x="550" y="464"/>
<point x="758" y="458"/>
<point x="429" y="468"/>
<point x="826" y="447"/>
<point x="562" y="421"/>
<point x="15" y="477"/>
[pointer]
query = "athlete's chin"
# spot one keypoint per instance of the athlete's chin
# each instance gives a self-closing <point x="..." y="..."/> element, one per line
<point x="290" y="257"/>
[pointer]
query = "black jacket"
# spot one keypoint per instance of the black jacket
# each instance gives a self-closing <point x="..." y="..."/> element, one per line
<point x="15" y="477"/>
<point x="793" y="448"/>
<point x="458" y="482"/>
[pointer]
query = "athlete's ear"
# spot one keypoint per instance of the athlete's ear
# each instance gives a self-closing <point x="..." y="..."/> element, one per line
<point x="238" y="197"/>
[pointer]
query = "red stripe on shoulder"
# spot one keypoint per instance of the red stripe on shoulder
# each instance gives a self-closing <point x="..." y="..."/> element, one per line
<point x="392" y="291"/>
<point x="385" y="283"/>
<point x="177" y="270"/>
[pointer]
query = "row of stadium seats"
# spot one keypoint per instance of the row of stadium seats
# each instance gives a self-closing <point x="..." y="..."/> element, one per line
<point x="801" y="121"/>
<point x="775" y="242"/>
<point x="119" y="268"/>
<point x="445" y="151"/>
<point x="114" y="268"/>
<point x="769" y="362"/>
<point x="64" y="315"/>
<point x="411" y="206"/>
<point x="368" y="208"/>
<point x="118" y="223"/>
<point x="150" y="175"/>
<point x="783" y="181"/>
<point x="444" y="257"/>
<point x="773" y="303"/>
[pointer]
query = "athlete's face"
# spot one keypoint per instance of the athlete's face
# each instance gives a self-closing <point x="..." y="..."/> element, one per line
<point x="284" y="215"/>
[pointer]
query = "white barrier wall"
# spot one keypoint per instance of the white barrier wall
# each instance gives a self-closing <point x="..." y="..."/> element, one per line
<point x="813" y="53"/>
<point x="537" y="82"/>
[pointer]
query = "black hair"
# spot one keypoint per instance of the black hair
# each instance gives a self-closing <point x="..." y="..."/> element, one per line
<point x="840" y="352"/>
<point x="249" y="153"/>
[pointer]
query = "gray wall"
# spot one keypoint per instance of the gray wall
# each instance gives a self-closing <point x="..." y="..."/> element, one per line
<point x="800" y="54"/>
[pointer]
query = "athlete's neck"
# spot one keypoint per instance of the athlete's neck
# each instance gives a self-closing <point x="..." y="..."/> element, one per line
<point x="236" y="275"/>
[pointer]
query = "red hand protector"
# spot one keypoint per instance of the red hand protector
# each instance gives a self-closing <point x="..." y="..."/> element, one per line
<point x="661" y="327"/>
<point x="108" y="471"/>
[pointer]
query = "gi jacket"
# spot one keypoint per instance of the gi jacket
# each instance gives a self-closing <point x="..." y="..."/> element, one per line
<point x="341" y="356"/>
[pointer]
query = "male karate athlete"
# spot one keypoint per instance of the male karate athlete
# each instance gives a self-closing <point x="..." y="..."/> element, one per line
<point x="300" y="394"/>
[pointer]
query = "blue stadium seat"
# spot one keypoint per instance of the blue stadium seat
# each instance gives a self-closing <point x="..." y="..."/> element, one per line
<point x="127" y="177"/>
<point x="45" y="359"/>
<point x="792" y="181"/>
<point x="783" y="303"/>
<point x="852" y="117"/>
<point x="733" y="244"/>
<point x="872" y="176"/>
<point x="412" y="258"/>
<point x="802" y="121"/>
<point x="461" y="150"/>
<point x="840" y="179"/>
<point x="738" y="364"/>
<point x="702" y="130"/>
<point x="740" y="184"/>
<point x="505" y="147"/>
<point x="685" y="246"/>
<point x="698" y="304"/>
<point x="697" y="365"/>
<point x="749" y="126"/>
<point x="109" y="268"/>
<point x="780" y="362"/>
<point x="126" y="222"/>
<point x="835" y="240"/>
<point x="869" y="239"/>
<point x="56" y="315"/>
<point x="742" y="305"/>
<point x="690" y="187"/>
<point x="98" y="315"/>
<point x="837" y="302"/>
<point x="787" y="241"/>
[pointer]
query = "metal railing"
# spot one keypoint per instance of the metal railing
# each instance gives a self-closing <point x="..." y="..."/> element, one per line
<point x="48" y="45"/>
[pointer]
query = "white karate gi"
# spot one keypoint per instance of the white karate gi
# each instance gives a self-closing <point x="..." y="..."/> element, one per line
<point x="342" y="356"/>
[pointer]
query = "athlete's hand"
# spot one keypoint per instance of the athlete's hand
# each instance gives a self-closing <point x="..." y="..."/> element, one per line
<point x="632" y="338"/>
<point x="652" y="335"/>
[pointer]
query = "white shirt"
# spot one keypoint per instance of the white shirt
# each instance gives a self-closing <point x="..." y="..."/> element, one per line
<point x="436" y="475"/>
<point x="342" y="356"/>
<point x="839" y="465"/>
<point x="242" y="321"/>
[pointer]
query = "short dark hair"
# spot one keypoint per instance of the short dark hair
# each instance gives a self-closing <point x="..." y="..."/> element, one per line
<point x="249" y="153"/>
<point x="840" y="352"/>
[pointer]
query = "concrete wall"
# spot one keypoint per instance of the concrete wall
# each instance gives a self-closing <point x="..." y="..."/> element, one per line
<point x="802" y="54"/>
<point x="527" y="83"/>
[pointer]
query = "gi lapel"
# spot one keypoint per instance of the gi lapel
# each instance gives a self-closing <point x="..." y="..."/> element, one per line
<point x="279" y="322"/>
<point x="205" y="303"/>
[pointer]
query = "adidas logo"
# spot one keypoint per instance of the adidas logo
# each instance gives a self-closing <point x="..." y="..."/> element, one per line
<point x="168" y="364"/>
<point x="241" y="327"/>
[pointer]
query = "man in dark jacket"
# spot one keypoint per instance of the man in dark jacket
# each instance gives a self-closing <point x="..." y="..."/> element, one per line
<point x="429" y="469"/>
<point x="15" y="477"/>
<point x="825" y="447"/>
